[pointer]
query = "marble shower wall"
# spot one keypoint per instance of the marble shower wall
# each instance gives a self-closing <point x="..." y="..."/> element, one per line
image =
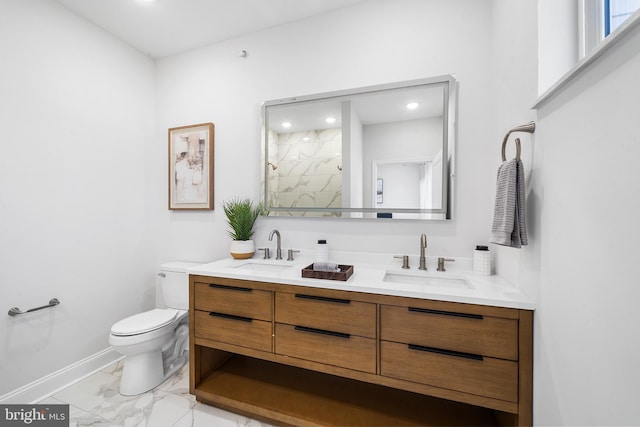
<point x="308" y="170"/>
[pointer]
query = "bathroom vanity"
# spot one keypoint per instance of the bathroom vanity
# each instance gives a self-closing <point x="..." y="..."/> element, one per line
<point x="378" y="349"/>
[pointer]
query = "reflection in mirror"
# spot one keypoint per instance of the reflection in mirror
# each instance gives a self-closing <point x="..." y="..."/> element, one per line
<point x="376" y="152"/>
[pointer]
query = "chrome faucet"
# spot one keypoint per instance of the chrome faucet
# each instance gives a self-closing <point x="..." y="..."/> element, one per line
<point x="278" y="247"/>
<point x="423" y="246"/>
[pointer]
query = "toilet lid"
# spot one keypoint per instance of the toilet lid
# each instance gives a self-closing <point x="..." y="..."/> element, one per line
<point x="144" y="322"/>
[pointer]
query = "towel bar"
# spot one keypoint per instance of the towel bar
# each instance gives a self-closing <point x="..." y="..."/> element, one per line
<point x="16" y="311"/>
<point x="528" y="128"/>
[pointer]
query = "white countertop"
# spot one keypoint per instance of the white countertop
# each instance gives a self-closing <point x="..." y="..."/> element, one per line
<point x="368" y="276"/>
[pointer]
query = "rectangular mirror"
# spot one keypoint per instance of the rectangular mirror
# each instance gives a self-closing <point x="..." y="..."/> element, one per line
<point x="382" y="151"/>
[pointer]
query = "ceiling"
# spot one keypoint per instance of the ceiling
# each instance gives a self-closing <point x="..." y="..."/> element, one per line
<point x="371" y="107"/>
<point x="163" y="28"/>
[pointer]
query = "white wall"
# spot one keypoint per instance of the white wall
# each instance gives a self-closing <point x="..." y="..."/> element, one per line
<point x="557" y="40"/>
<point x="515" y="67"/>
<point x="77" y="114"/>
<point x="587" y="341"/>
<point x="370" y="43"/>
<point x="582" y="198"/>
<point x="400" y="185"/>
<point x="400" y="141"/>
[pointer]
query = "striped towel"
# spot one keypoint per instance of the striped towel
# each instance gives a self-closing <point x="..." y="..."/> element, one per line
<point x="509" y="228"/>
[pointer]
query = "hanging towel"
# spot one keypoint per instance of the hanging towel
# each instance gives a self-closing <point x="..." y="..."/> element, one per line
<point x="509" y="228"/>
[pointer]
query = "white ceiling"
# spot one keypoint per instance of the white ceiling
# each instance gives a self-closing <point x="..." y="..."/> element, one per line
<point x="166" y="27"/>
<point x="371" y="107"/>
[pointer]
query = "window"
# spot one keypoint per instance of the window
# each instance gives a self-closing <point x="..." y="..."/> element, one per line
<point x="616" y="12"/>
<point x="599" y="18"/>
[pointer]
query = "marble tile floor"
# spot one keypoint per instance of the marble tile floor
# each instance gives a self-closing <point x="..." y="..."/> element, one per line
<point x="95" y="401"/>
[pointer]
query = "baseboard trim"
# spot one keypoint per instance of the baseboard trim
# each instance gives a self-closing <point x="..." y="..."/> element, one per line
<point x="50" y="384"/>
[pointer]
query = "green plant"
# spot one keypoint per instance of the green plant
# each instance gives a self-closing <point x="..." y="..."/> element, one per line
<point x="241" y="216"/>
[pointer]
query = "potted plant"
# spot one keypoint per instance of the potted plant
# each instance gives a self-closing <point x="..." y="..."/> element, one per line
<point x="241" y="216"/>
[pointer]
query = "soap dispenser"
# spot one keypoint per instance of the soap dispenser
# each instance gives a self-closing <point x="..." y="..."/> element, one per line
<point x="322" y="251"/>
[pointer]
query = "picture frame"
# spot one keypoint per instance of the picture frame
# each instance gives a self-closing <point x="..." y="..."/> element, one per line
<point x="379" y="191"/>
<point x="191" y="167"/>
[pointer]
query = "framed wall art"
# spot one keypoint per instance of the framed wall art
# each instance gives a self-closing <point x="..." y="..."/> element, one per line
<point x="191" y="167"/>
<point x="379" y="191"/>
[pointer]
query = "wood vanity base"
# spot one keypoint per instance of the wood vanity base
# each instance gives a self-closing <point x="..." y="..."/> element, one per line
<point x="302" y="356"/>
<point x="286" y="395"/>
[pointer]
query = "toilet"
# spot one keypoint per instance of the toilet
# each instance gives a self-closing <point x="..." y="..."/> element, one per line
<point x="155" y="343"/>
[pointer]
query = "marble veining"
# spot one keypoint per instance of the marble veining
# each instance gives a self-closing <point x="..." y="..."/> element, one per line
<point x="308" y="170"/>
<point x="95" y="401"/>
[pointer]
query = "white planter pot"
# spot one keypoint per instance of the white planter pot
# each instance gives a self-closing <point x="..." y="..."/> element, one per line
<point x="242" y="249"/>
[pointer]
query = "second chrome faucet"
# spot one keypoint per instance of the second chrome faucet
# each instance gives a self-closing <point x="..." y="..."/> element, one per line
<point x="423" y="258"/>
<point x="423" y="247"/>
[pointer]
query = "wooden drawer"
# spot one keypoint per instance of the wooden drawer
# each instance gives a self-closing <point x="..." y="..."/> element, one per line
<point x="333" y="314"/>
<point x="486" y="376"/>
<point x="468" y="333"/>
<point x="244" y="332"/>
<point x="329" y="347"/>
<point x="235" y="300"/>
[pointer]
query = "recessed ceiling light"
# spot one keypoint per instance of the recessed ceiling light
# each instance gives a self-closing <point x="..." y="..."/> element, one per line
<point x="412" y="105"/>
<point x="286" y="124"/>
<point x="330" y="120"/>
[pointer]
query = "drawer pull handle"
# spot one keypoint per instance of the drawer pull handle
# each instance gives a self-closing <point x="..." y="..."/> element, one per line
<point x="446" y="313"/>
<point x="322" y="332"/>
<point x="446" y="352"/>
<point x="326" y="299"/>
<point x="230" y="288"/>
<point x="230" y="316"/>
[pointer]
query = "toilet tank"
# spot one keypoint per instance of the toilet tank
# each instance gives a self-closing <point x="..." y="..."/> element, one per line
<point x="174" y="283"/>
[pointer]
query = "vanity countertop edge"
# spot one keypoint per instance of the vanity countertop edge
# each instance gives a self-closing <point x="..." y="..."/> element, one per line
<point x="369" y="278"/>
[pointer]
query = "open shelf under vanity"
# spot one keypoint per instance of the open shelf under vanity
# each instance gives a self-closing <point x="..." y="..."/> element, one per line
<point x="287" y="395"/>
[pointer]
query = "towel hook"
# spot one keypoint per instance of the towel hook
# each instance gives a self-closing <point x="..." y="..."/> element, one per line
<point x="529" y="128"/>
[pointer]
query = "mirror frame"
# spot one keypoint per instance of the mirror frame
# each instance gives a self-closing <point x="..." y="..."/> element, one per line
<point x="449" y="85"/>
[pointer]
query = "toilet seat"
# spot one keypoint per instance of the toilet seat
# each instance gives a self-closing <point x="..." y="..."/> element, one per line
<point x="144" y="322"/>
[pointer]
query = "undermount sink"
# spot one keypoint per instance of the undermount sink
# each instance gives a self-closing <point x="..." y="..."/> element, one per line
<point x="419" y="279"/>
<point x="255" y="266"/>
